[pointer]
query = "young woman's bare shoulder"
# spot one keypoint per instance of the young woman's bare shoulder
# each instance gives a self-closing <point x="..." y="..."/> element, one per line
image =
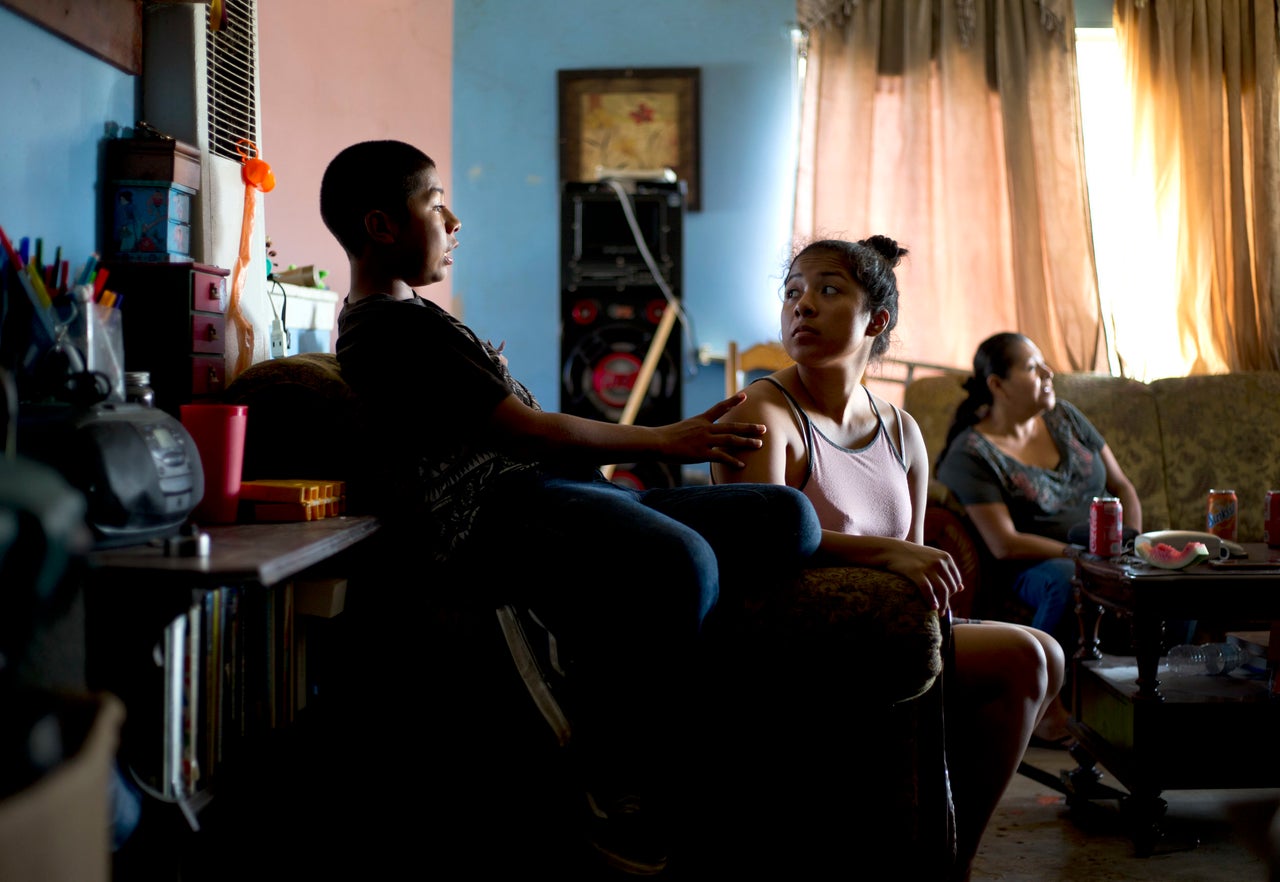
<point x="764" y="399"/>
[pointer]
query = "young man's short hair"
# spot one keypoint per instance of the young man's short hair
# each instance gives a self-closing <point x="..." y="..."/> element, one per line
<point x="368" y="176"/>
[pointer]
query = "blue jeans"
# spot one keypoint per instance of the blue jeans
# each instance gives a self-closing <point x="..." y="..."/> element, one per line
<point x="1046" y="588"/>
<point x="627" y="580"/>
<point x="633" y="560"/>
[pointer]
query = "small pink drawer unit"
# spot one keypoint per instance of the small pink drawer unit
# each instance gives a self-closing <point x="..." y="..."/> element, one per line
<point x="174" y="321"/>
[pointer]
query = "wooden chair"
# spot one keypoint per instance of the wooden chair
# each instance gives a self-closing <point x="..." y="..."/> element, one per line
<point x="761" y="356"/>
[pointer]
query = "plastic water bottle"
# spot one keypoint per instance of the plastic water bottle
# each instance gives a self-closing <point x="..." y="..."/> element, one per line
<point x="1208" y="658"/>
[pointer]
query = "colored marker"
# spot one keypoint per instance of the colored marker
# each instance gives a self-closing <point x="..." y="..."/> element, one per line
<point x="37" y="284"/>
<point x="100" y="282"/>
<point x="86" y="271"/>
<point x="14" y="257"/>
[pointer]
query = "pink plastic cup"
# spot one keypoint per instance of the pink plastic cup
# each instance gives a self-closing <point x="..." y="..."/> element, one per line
<point x="218" y="430"/>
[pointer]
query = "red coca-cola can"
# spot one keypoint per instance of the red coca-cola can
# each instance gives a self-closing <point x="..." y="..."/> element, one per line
<point x="1106" y="526"/>
<point x="1271" y="519"/>
<point x="1220" y="517"/>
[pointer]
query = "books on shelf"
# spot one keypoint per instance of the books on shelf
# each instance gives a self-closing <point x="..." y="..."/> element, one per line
<point x="174" y="663"/>
<point x="192" y="675"/>
<point x="233" y="667"/>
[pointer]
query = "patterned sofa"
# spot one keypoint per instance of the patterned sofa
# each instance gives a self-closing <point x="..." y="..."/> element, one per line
<point x="823" y="735"/>
<point x="1176" y="438"/>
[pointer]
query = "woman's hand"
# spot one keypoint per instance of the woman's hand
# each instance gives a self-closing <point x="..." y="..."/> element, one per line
<point x="702" y="439"/>
<point x="931" y="569"/>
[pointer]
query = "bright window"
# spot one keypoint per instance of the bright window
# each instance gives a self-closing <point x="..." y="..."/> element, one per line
<point x="1133" y="245"/>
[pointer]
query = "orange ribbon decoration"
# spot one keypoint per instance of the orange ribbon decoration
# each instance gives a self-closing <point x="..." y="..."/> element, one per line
<point x="257" y="175"/>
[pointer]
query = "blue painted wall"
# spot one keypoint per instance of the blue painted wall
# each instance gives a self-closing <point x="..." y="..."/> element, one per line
<point x="506" y="53"/>
<point x="57" y="104"/>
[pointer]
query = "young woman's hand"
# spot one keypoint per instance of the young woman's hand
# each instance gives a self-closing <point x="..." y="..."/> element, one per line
<point x="931" y="569"/>
<point x="702" y="439"/>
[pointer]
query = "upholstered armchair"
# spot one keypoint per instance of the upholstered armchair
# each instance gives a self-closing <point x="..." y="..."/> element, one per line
<point x="823" y="730"/>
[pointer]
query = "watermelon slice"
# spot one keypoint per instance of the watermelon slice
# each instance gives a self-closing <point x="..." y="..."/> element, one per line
<point x="1165" y="556"/>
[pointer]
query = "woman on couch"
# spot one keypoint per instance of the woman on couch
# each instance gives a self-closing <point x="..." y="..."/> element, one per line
<point x="863" y="464"/>
<point x="1025" y="466"/>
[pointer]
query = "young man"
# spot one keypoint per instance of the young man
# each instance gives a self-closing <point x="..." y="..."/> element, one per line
<point x="510" y="497"/>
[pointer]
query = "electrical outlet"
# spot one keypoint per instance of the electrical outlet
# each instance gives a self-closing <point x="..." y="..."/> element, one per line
<point x="277" y="339"/>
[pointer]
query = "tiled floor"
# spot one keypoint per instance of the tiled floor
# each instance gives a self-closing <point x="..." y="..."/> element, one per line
<point x="1036" y="837"/>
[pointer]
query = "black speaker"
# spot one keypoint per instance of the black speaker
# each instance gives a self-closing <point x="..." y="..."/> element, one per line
<point x="599" y="246"/>
<point x="612" y="299"/>
<point x="604" y="339"/>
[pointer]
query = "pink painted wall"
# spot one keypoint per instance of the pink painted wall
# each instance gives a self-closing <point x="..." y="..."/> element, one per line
<point x="335" y="72"/>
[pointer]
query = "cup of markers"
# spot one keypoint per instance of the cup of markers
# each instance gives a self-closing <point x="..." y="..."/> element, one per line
<point x="80" y="318"/>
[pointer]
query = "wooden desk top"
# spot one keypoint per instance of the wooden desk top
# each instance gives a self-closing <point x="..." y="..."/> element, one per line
<point x="262" y="554"/>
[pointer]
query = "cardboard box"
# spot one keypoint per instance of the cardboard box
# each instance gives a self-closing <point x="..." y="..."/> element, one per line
<point x="324" y="598"/>
<point x="60" y="826"/>
<point x="153" y="159"/>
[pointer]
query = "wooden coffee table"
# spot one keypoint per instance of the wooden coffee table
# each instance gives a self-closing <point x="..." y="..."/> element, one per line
<point x="1175" y="733"/>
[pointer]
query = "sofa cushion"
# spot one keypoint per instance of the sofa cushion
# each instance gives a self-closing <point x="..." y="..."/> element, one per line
<point x="1222" y="431"/>
<point x="833" y="622"/>
<point x="301" y="420"/>
<point x="932" y="401"/>
<point x="1126" y="412"/>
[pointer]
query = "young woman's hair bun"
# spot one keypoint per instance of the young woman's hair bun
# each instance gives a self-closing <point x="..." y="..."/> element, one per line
<point x="887" y="247"/>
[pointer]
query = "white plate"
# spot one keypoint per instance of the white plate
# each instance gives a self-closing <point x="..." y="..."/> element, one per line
<point x="1216" y="546"/>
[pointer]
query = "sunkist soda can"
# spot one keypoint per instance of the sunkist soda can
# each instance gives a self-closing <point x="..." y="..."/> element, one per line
<point x="1106" y="526"/>
<point x="1271" y="519"/>
<point x="1220" y="517"/>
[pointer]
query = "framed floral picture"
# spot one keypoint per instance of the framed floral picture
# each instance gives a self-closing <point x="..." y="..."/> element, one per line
<point x="629" y="121"/>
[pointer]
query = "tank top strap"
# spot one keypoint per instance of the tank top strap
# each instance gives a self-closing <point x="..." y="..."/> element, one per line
<point x="899" y="450"/>
<point x="806" y="428"/>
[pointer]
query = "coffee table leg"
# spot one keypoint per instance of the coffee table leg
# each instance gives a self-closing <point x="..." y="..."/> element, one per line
<point x="1140" y="814"/>
<point x="1149" y="635"/>
<point x="1084" y="782"/>
<point x="1143" y="813"/>
<point x="1089" y="618"/>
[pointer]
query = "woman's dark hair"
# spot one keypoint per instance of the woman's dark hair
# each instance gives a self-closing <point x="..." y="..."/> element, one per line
<point x="990" y="360"/>
<point x="369" y="176"/>
<point x="870" y="263"/>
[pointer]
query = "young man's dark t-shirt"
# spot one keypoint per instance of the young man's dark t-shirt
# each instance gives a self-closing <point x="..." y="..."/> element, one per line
<point x="410" y="363"/>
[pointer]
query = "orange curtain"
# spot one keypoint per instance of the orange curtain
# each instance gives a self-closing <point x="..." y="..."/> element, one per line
<point x="954" y="127"/>
<point x="1203" y="80"/>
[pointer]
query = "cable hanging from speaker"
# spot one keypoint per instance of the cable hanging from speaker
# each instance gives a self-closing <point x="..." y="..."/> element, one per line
<point x="652" y="264"/>
<point x="669" y="316"/>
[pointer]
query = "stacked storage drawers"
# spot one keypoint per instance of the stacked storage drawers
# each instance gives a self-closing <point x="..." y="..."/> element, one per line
<point x="152" y="184"/>
<point x="174" y="327"/>
<point x="150" y="222"/>
<point x="173" y="309"/>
